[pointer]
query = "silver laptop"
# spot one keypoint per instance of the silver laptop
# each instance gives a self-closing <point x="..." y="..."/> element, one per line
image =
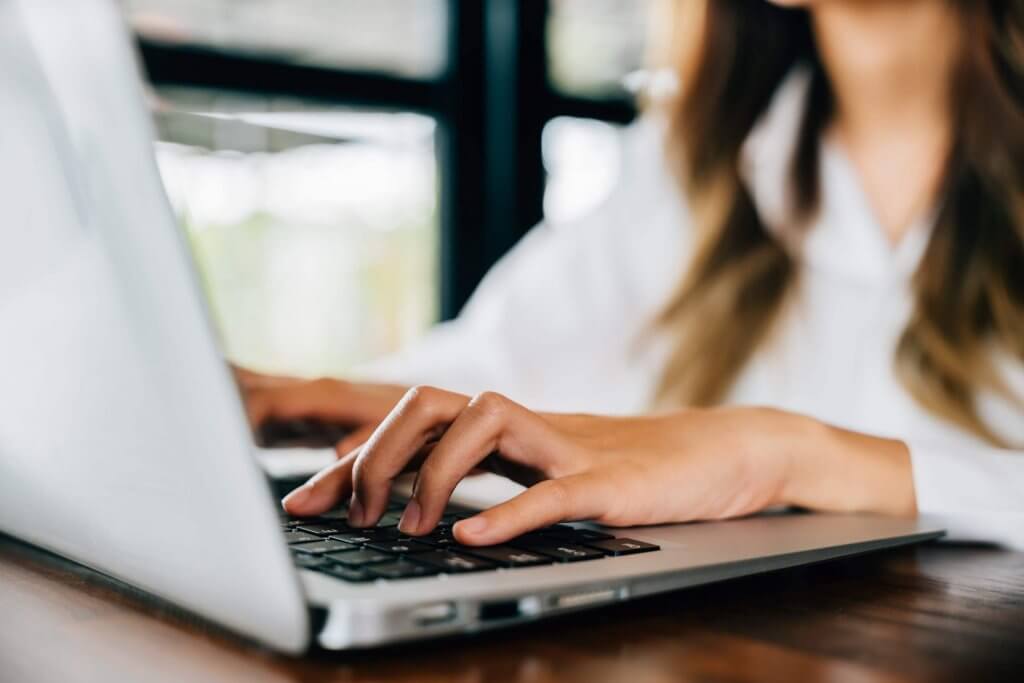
<point x="123" y="444"/>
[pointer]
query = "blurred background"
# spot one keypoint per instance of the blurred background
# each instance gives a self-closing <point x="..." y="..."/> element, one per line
<point x="347" y="170"/>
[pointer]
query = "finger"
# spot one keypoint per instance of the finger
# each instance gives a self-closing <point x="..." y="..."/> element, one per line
<point x="489" y="423"/>
<point x="323" y="399"/>
<point x="582" y="496"/>
<point x="278" y="403"/>
<point x="418" y="417"/>
<point x="323" y="490"/>
<point x="355" y="439"/>
<point x="250" y="379"/>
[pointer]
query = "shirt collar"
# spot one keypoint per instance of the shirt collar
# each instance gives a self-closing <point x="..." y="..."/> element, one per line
<point x="844" y="237"/>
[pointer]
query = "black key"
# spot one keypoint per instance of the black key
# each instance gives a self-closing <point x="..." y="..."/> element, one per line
<point x="325" y="529"/>
<point x="300" y="433"/>
<point x="441" y="543"/>
<point x="568" y="552"/>
<point x="344" y="573"/>
<point x="563" y="552"/>
<point x="438" y="538"/>
<point x="573" y="535"/>
<point x="361" y="536"/>
<point x="282" y="487"/>
<point x="570" y="536"/>
<point x="507" y="556"/>
<point x="396" y="506"/>
<point x="299" y="537"/>
<point x="622" y="546"/>
<point x="293" y="523"/>
<point x="322" y="546"/>
<point x="310" y="561"/>
<point x="401" y="569"/>
<point x="358" y="558"/>
<point x="340" y="514"/>
<point x="353" y="537"/>
<point x="584" y="535"/>
<point x="398" y="547"/>
<point x="389" y="519"/>
<point x="382" y="533"/>
<point x="450" y="563"/>
<point x="449" y="518"/>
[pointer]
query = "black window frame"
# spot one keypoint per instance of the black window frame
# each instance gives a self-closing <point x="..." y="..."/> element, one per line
<point x="491" y="105"/>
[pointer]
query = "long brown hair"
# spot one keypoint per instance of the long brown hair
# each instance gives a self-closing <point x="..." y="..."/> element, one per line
<point x="969" y="287"/>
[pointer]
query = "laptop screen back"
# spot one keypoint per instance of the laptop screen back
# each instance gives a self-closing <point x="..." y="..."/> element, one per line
<point x="122" y="441"/>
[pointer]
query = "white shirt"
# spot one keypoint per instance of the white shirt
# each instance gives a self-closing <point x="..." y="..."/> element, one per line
<point x="564" y="322"/>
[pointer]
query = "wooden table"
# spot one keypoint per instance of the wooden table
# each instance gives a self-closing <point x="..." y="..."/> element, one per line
<point x="929" y="613"/>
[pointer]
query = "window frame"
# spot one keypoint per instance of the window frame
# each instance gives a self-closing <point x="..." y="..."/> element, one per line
<point x="491" y="104"/>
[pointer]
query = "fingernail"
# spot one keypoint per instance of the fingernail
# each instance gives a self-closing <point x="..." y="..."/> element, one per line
<point x="355" y="512"/>
<point x="297" y="497"/>
<point x="471" y="526"/>
<point x="410" y="518"/>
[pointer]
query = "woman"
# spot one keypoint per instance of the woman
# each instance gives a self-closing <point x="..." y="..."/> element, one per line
<point x="838" y="184"/>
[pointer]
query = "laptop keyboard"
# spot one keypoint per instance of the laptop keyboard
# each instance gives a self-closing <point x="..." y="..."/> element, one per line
<point x="327" y="544"/>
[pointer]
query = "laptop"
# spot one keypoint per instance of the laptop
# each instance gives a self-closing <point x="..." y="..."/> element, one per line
<point x="123" y="441"/>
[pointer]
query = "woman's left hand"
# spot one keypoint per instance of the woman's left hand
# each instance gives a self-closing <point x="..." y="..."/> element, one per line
<point x="619" y="471"/>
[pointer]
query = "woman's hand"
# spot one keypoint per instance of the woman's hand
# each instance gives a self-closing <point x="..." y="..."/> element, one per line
<point x="358" y="406"/>
<point x="683" y="466"/>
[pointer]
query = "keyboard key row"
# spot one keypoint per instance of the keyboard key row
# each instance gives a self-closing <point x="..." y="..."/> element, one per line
<point x="506" y="556"/>
<point x="328" y="545"/>
<point x="322" y="547"/>
<point x="358" y="557"/>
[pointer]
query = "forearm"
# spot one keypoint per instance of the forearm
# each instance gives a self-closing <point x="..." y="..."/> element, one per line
<point x="838" y="470"/>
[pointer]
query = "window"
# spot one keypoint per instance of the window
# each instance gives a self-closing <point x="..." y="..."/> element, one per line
<point x="315" y="231"/>
<point x="593" y="45"/>
<point x="402" y="37"/>
<point x="348" y="170"/>
<point x="597" y="51"/>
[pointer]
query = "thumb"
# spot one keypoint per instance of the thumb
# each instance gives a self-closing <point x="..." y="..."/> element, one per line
<point x="549" y="502"/>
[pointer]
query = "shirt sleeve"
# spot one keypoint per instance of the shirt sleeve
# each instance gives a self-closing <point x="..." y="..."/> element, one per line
<point x="976" y="493"/>
<point x="558" y="323"/>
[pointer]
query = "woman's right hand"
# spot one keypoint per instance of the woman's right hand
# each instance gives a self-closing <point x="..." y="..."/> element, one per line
<point x="354" y="405"/>
<point x="680" y="466"/>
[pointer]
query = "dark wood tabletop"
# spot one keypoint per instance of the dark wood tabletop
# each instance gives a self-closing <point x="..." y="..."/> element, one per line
<point x="934" y="612"/>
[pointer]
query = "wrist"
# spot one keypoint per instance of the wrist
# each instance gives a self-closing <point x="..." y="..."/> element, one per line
<point x="836" y="470"/>
<point x="803" y="441"/>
